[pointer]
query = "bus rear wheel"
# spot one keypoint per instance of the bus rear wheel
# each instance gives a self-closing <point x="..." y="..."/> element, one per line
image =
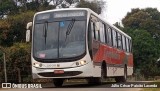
<point x="58" y="82"/>
<point x="122" y="78"/>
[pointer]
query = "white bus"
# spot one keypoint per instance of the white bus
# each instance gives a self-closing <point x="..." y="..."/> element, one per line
<point x="78" y="43"/>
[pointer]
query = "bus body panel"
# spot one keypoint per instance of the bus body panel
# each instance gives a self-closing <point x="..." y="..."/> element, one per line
<point x="115" y="59"/>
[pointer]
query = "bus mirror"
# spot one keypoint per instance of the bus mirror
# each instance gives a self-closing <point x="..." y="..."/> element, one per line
<point x="29" y="24"/>
<point x="97" y="26"/>
<point x="28" y="34"/>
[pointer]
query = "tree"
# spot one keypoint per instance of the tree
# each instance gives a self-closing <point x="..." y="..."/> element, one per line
<point x="143" y="25"/>
<point x="13" y="28"/>
<point x="144" y="50"/>
<point x="7" y="7"/>
<point x="147" y="19"/>
<point x="95" y="6"/>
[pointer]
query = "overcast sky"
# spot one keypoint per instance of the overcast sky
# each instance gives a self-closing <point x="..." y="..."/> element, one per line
<point x="116" y="10"/>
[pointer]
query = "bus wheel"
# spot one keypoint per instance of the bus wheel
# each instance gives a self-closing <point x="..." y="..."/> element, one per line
<point x="58" y="82"/>
<point x="93" y="80"/>
<point x="98" y="80"/>
<point x="122" y="78"/>
<point x="103" y="74"/>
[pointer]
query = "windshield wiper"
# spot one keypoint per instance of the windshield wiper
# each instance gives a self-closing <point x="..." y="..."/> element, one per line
<point x="70" y="26"/>
<point x="45" y="31"/>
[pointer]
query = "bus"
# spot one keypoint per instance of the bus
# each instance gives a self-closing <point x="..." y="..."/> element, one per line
<point x="78" y="43"/>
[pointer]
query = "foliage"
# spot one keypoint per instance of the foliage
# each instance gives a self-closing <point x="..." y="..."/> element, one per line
<point x="147" y="19"/>
<point x="19" y="58"/>
<point x="7" y="7"/>
<point x="20" y="54"/>
<point x="143" y="25"/>
<point x="95" y="6"/>
<point x="145" y="51"/>
<point x="13" y="28"/>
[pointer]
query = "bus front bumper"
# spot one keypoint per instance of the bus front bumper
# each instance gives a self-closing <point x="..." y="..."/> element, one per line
<point x="76" y="72"/>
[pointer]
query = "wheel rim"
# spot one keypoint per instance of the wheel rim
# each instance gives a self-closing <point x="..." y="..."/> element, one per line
<point x="125" y="73"/>
<point x="102" y="75"/>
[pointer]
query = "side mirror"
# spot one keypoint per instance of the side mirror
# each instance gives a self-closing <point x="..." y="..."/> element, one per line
<point x="97" y="28"/>
<point x="28" y="32"/>
<point x="29" y="24"/>
<point x="28" y="35"/>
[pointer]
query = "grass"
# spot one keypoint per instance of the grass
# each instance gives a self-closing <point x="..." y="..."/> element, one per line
<point x="152" y="89"/>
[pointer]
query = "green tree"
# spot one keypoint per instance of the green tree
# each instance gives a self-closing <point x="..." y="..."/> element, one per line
<point x="13" y="28"/>
<point x="147" y="19"/>
<point x="19" y="61"/>
<point x="143" y="25"/>
<point x="7" y="7"/>
<point x="145" y="51"/>
<point x="95" y="6"/>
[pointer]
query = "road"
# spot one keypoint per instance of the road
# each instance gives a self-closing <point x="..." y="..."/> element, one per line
<point x="76" y="87"/>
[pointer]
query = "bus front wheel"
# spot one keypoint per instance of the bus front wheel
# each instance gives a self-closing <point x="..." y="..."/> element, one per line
<point x="58" y="82"/>
<point x="98" y="80"/>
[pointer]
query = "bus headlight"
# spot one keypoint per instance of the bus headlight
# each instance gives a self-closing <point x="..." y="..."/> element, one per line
<point x="37" y="65"/>
<point x="83" y="62"/>
<point x="80" y="63"/>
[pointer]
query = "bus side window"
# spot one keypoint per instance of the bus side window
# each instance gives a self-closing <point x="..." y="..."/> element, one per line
<point x="130" y="45"/>
<point x="127" y="45"/>
<point x="102" y="34"/>
<point x="106" y="34"/>
<point x="119" y="41"/>
<point x="123" y="43"/>
<point x="93" y="30"/>
<point x="109" y="33"/>
<point x="97" y="35"/>
<point x="114" y="37"/>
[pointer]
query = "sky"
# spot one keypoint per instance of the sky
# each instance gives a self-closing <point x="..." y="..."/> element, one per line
<point x="116" y="10"/>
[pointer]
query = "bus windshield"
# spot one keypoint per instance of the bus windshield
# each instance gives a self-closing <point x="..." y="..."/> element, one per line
<point x="59" y="39"/>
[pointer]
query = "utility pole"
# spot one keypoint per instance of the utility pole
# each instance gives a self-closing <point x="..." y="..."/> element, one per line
<point x="4" y="62"/>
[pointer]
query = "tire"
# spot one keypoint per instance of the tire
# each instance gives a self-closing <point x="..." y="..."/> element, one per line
<point x="93" y="80"/>
<point x="122" y="78"/>
<point x="98" y="80"/>
<point x="103" y="74"/>
<point x="58" y="82"/>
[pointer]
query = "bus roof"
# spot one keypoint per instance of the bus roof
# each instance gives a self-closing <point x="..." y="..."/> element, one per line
<point x="90" y="12"/>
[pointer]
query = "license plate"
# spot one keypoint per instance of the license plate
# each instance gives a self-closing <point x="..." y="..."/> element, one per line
<point x="58" y="71"/>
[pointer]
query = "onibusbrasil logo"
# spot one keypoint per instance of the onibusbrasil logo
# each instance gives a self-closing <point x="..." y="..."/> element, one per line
<point x="14" y="85"/>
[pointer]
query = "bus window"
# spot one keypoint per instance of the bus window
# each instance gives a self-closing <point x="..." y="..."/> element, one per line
<point x="114" y="38"/>
<point x="102" y="38"/>
<point x="127" y="45"/>
<point x="106" y="34"/>
<point x="109" y="36"/>
<point x="119" y="41"/>
<point x="129" y="42"/>
<point x="130" y="45"/>
<point x="123" y="43"/>
<point x="93" y="30"/>
<point x="97" y="35"/>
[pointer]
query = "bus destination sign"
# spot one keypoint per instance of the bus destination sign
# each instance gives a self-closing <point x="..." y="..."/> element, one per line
<point x="69" y="14"/>
<point x="43" y="16"/>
